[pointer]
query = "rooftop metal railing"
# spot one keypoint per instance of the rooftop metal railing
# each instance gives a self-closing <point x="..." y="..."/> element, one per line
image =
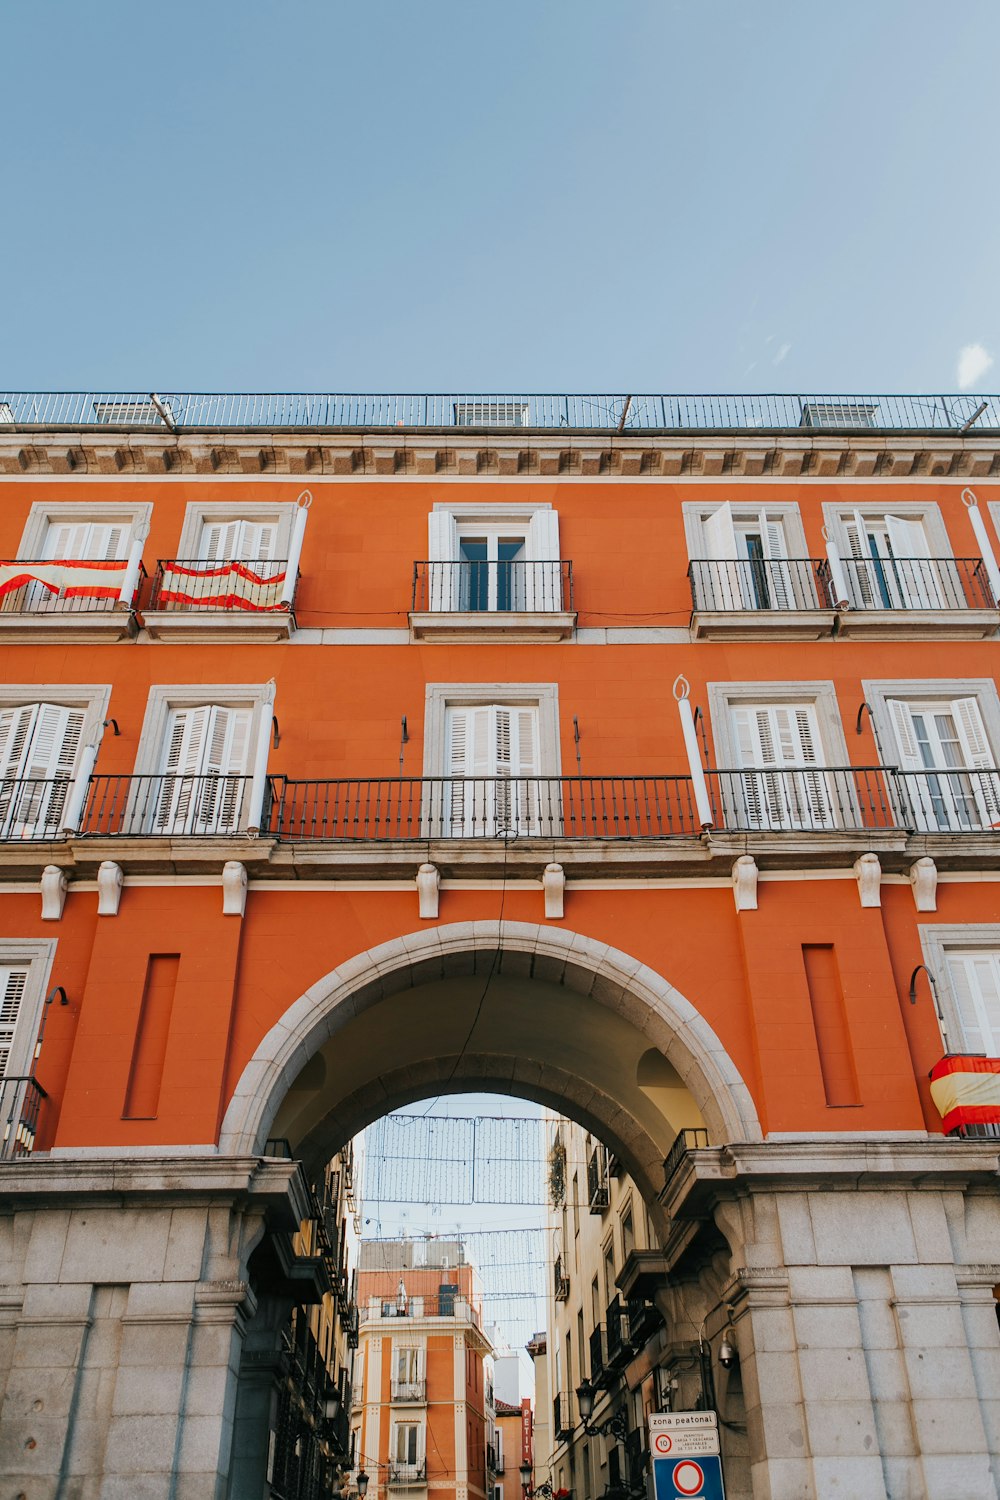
<point x="398" y="807"/>
<point x="758" y="583"/>
<point x="208" y="584"/>
<point x="474" y="587"/>
<point x="606" y="413"/>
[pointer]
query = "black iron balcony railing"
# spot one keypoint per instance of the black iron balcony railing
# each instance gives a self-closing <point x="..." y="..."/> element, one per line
<point x="789" y="799"/>
<point x="167" y="806"/>
<point x="956" y="801"/>
<point x="813" y="799"/>
<point x="403" y="1475"/>
<point x="562" y="1415"/>
<point x="560" y="1278"/>
<point x="76" y="586"/>
<point x="596" y="807"/>
<point x="409" y="1390"/>
<point x="608" y="413"/>
<point x="619" y="1348"/>
<point x="636" y="1457"/>
<point x="794" y="583"/>
<point x="21" y="1100"/>
<point x="471" y="587"/>
<point x="598" y="1354"/>
<point x="223" y="587"/>
<point x="692" y="1138"/>
<point x="32" y="809"/>
<point x="914" y="583"/>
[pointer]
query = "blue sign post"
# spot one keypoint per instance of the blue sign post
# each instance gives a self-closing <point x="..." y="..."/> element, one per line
<point x="687" y="1464"/>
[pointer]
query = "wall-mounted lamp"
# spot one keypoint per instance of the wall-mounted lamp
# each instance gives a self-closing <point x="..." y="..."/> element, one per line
<point x="112" y="724"/>
<point x="576" y="741"/>
<point x="362" y="1483"/>
<point x="404" y="740"/>
<point x="57" y="989"/>
<point x="616" y="1425"/>
<point x="922" y="968"/>
<point x="275" y="731"/>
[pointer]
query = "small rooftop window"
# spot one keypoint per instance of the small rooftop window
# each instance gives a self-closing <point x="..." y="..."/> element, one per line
<point x="838" y="414"/>
<point x="491" y="413"/>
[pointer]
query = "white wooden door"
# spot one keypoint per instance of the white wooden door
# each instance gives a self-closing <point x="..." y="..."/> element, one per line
<point x="951" y="784"/>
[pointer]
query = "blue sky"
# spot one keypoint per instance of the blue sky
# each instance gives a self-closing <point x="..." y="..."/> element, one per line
<point x="544" y="195"/>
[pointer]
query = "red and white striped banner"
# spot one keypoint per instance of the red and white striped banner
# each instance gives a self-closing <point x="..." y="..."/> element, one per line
<point x="225" y="586"/>
<point x="66" y="578"/>
<point x="966" y="1090"/>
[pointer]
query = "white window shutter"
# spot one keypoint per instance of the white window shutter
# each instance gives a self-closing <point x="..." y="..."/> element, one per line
<point x="779" y="574"/>
<point x="15" y="727"/>
<point x="906" y="739"/>
<point x="860" y="572"/>
<point x="975" y="982"/>
<point x="543" y="576"/>
<point x="221" y="541"/>
<point x="726" y="575"/>
<point x="979" y="757"/>
<point x="13" y="983"/>
<point x="916" y="575"/>
<point x="54" y="742"/>
<point x="66" y="539"/>
<point x="470" y="754"/>
<point x="907" y="538"/>
<point x="108" y="541"/>
<point x="720" y="535"/>
<point x="443" y="559"/>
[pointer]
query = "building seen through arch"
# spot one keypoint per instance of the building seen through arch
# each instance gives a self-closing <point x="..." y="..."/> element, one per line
<point x="638" y="757"/>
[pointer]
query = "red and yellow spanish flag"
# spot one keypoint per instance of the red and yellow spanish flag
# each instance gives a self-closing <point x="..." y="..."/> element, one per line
<point x="966" y="1090"/>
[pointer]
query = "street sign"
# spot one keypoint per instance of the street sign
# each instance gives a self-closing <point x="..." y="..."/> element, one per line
<point x="685" y="1450"/>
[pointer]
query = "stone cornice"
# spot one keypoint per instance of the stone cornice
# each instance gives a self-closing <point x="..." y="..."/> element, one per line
<point x="276" y="1185"/>
<point x="94" y="453"/>
<point x="709" y="1174"/>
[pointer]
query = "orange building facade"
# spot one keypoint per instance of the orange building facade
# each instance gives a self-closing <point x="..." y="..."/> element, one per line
<point x="423" y="1413"/>
<point x="645" y="771"/>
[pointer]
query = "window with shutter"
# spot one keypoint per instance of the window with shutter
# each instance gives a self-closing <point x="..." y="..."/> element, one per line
<point x="783" y="736"/>
<point x="13" y="983"/>
<point x="889" y="563"/>
<point x="239" y="541"/>
<point x="39" y="745"/>
<point x="486" y="561"/>
<point x="975" y="982"/>
<point x="951" y="783"/>
<point x="747" y="561"/>
<point x="202" y="785"/>
<point x="493" y="757"/>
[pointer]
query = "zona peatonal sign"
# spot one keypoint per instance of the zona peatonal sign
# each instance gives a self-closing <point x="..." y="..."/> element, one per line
<point x="684" y="1446"/>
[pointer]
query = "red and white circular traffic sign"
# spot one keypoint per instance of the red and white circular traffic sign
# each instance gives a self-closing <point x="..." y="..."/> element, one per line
<point x="662" y="1444"/>
<point x="688" y="1477"/>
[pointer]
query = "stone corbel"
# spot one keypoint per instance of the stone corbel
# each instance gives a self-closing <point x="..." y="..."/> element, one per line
<point x="109" y="888"/>
<point x="923" y="880"/>
<point x="554" y="888"/>
<point x="428" y="891"/>
<point x="234" y="888"/>
<point x="745" y="883"/>
<point x="53" y="886"/>
<point x="869" y="877"/>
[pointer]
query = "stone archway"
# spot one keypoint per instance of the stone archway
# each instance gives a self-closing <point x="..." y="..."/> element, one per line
<point x="605" y="978"/>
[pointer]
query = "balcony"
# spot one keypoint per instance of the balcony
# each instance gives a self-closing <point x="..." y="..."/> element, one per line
<point x="492" y="601"/>
<point x="805" y="800"/>
<point x="598" y="1356"/>
<point x="598" y="1188"/>
<point x="407" y="1476"/>
<point x="923" y="598"/>
<point x="760" y="599"/>
<point x="619" y="1344"/>
<point x="562" y="1416"/>
<point x="484" y="807"/>
<point x="950" y="802"/>
<point x="560" y="1279"/>
<point x="167" y="806"/>
<point x="78" y="601"/>
<point x="406" y="1391"/>
<point x="449" y="1305"/>
<point x="198" y="599"/>
<point x="21" y="1101"/>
